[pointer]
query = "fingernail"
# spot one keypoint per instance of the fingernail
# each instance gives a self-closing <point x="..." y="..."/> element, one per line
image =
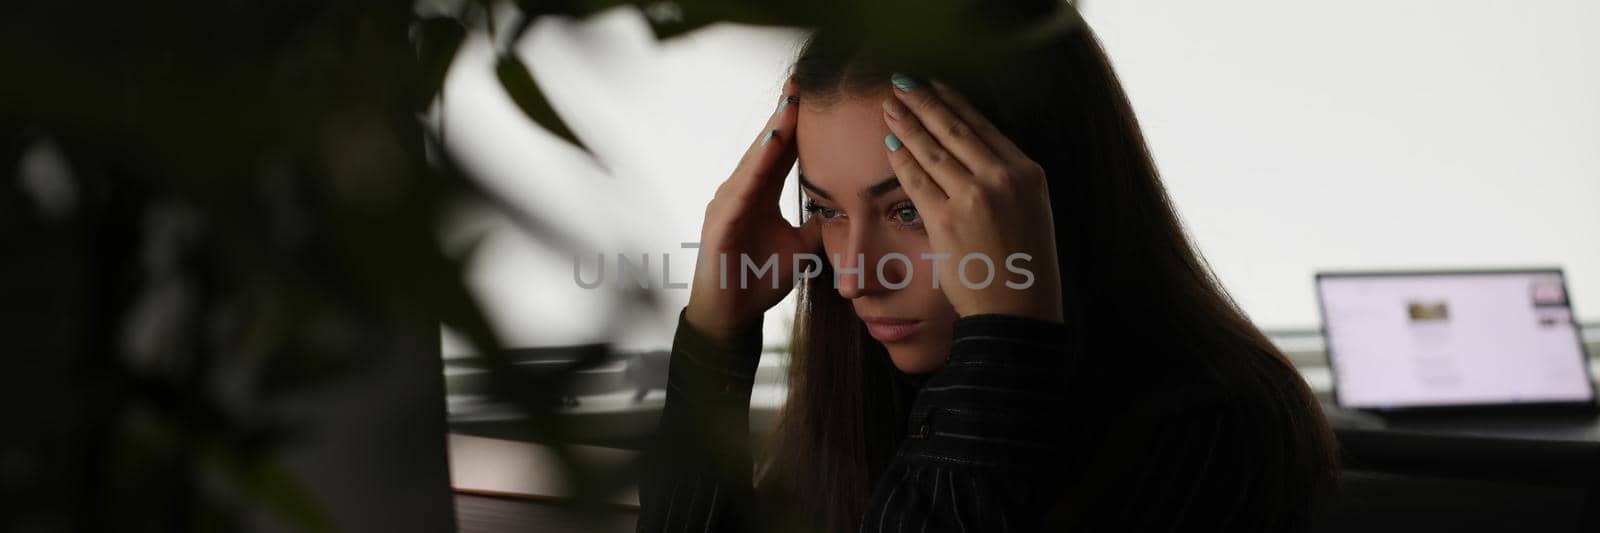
<point x="892" y="142"/>
<point x="770" y="134"/>
<point x="902" y="82"/>
<point x="785" y="103"/>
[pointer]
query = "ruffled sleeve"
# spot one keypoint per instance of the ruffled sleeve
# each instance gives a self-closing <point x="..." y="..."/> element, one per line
<point x="698" y="468"/>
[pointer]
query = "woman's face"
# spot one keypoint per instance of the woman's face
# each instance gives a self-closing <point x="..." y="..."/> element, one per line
<point x="865" y="216"/>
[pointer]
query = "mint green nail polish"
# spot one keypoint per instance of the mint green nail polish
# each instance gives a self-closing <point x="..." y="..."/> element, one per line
<point x="892" y="142"/>
<point x="785" y="103"/>
<point x="903" y="82"/>
<point x="770" y="134"/>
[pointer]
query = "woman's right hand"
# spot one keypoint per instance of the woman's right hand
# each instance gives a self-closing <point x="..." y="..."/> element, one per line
<point x="743" y="220"/>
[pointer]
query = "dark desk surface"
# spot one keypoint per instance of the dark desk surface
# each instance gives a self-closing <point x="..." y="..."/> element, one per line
<point x="1544" y="449"/>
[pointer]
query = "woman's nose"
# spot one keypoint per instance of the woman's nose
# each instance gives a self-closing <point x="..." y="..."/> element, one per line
<point x="858" y="271"/>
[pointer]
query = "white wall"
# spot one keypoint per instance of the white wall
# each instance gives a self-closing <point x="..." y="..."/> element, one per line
<point x="1293" y="136"/>
<point x="671" y="122"/>
<point x="1298" y="136"/>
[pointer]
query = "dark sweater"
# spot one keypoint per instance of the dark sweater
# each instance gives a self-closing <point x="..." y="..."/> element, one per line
<point x="994" y="441"/>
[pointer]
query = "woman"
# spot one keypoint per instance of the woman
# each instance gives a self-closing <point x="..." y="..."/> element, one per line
<point x="1101" y="381"/>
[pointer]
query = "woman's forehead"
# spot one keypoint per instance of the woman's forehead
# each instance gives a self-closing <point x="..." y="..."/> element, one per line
<point x="841" y="145"/>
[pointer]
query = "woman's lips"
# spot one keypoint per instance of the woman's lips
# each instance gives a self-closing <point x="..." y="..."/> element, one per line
<point x="891" y="329"/>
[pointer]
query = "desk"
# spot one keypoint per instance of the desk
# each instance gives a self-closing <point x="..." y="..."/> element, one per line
<point x="1451" y="474"/>
<point x="1547" y="463"/>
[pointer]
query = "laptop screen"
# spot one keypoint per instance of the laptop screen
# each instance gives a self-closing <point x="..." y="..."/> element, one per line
<point x="1399" y="340"/>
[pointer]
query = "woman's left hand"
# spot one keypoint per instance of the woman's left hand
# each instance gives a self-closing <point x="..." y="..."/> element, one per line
<point x="979" y="196"/>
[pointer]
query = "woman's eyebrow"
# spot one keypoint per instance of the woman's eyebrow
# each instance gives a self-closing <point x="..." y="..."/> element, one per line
<point x="877" y="189"/>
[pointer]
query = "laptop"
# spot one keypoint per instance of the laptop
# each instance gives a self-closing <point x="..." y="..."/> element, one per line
<point x="1434" y="342"/>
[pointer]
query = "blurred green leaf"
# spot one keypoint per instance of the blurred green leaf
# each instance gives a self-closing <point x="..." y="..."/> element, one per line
<point x="519" y="84"/>
<point x="669" y="19"/>
<point x="533" y="10"/>
<point x="438" y="39"/>
<point x="270" y="480"/>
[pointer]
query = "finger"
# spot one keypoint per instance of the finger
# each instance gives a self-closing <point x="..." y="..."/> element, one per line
<point x="773" y="176"/>
<point x="925" y="193"/>
<point x="986" y="130"/>
<point x="931" y="157"/>
<point x="770" y="155"/>
<point x="955" y="134"/>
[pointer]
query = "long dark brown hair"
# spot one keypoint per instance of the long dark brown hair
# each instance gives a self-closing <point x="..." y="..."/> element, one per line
<point x="1137" y="294"/>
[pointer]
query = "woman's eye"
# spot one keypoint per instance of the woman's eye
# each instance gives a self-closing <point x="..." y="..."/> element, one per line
<point x="907" y="215"/>
<point x="827" y="213"/>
